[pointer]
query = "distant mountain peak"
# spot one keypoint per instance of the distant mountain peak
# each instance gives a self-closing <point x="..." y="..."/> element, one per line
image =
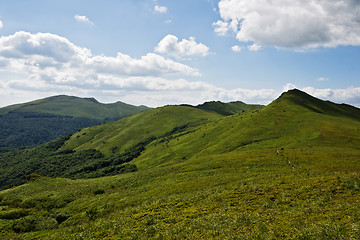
<point x="42" y="120"/>
<point x="296" y="92"/>
<point x="299" y="98"/>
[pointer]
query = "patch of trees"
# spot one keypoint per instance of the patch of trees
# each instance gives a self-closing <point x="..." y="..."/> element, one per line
<point x="46" y="160"/>
<point x="24" y="129"/>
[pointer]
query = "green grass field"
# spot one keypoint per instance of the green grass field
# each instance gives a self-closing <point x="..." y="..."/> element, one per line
<point x="288" y="171"/>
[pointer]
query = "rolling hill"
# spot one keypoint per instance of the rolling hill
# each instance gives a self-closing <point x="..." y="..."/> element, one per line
<point x="40" y="121"/>
<point x="98" y="147"/>
<point x="289" y="170"/>
<point x="227" y="109"/>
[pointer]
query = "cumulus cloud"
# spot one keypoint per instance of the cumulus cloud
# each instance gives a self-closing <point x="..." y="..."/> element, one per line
<point x="288" y="86"/>
<point x="236" y="48"/>
<point x="160" y="9"/>
<point x="221" y="28"/>
<point x="171" y="45"/>
<point x="291" y="24"/>
<point x="43" y="64"/>
<point x="151" y="91"/>
<point x="1" y="24"/>
<point x="54" y="57"/>
<point x="349" y="95"/>
<point x="254" y="47"/>
<point x="83" y="19"/>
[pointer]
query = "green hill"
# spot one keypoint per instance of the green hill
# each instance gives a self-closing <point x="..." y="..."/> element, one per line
<point x="43" y="120"/>
<point x="287" y="171"/>
<point x="230" y="108"/>
<point x="75" y="107"/>
<point x="100" y="150"/>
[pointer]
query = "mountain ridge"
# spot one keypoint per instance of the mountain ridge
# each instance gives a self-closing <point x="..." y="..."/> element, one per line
<point x="39" y="121"/>
<point x="190" y="132"/>
<point x="182" y="172"/>
<point x="65" y="105"/>
<point x="229" y="108"/>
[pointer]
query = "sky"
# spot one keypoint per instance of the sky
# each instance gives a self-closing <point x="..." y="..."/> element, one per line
<point x="160" y="52"/>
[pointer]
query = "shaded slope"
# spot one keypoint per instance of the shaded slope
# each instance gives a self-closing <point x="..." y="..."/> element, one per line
<point x="43" y="120"/>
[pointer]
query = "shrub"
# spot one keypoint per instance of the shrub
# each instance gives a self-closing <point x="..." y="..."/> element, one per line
<point x="61" y="217"/>
<point x="34" y="223"/>
<point x="92" y="213"/>
<point x="32" y="177"/>
<point x="99" y="191"/>
<point x="352" y="183"/>
<point x="14" y="214"/>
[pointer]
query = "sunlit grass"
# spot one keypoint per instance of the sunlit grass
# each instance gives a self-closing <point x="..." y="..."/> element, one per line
<point x="284" y="172"/>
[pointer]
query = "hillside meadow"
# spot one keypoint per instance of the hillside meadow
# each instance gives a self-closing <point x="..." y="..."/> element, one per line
<point x="289" y="170"/>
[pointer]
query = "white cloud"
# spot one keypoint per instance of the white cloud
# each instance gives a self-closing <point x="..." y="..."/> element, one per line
<point x="50" y="56"/>
<point x="172" y="46"/>
<point x="254" y="47"/>
<point x="1" y="24"/>
<point x="221" y="28"/>
<point x="151" y="91"/>
<point x="322" y="79"/>
<point x="288" y="86"/>
<point x="156" y="91"/>
<point x="43" y="64"/>
<point x="349" y="95"/>
<point x="236" y="48"/>
<point x="160" y="9"/>
<point x="83" y="19"/>
<point x="292" y="24"/>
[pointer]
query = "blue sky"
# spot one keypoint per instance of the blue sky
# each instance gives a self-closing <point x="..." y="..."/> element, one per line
<point x="173" y="52"/>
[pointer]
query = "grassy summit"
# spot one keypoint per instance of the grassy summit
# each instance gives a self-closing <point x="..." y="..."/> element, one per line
<point x="287" y="171"/>
<point x="40" y="121"/>
<point x="75" y="107"/>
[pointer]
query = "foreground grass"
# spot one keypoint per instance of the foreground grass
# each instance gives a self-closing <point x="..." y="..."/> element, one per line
<point x="244" y="195"/>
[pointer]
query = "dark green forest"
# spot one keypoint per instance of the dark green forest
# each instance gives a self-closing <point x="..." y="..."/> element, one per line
<point x="22" y="129"/>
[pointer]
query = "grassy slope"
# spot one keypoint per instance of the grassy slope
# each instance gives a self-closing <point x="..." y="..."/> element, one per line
<point x="281" y="124"/>
<point x="40" y="121"/>
<point x="120" y="141"/>
<point x="117" y="136"/>
<point x="76" y="107"/>
<point x="284" y="172"/>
